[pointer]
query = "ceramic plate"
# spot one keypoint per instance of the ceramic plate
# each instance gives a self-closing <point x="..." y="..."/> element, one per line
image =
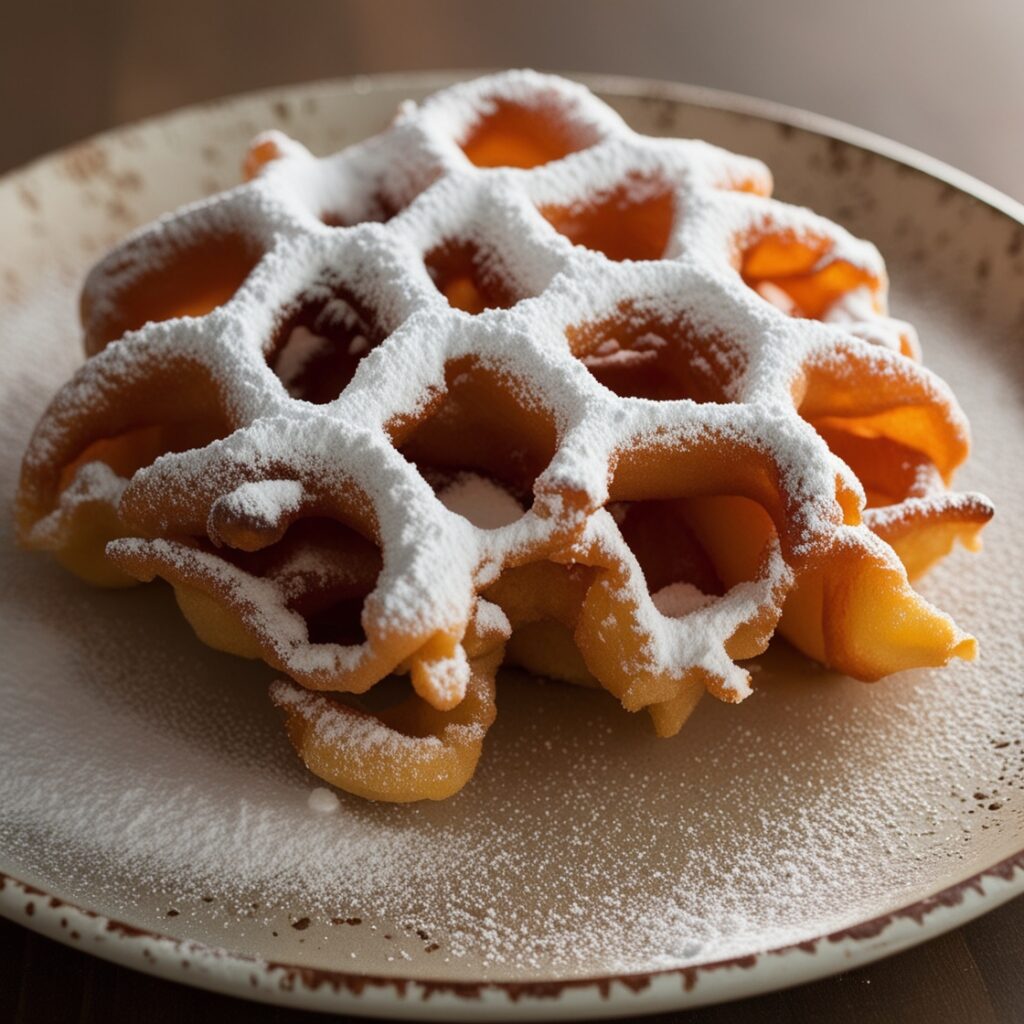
<point x="152" y="811"/>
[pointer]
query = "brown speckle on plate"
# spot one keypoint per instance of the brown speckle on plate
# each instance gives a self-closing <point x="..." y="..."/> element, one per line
<point x="85" y="161"/>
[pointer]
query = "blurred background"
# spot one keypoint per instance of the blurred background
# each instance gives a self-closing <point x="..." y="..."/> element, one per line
<point x="944" y="76"/>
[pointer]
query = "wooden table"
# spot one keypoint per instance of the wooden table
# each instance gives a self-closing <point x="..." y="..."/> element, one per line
<point x="69" y="68"/>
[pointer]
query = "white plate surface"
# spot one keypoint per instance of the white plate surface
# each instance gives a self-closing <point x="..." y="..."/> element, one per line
<point x="152" y="811"/>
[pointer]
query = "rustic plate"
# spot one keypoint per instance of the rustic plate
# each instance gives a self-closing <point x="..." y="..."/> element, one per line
<point x="152" y="812"/>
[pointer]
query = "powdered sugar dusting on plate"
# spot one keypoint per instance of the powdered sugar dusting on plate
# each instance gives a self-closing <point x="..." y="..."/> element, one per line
<point x="323" y="801"/>
<point x="677" y="599"/>
<point x="482" y="502"/>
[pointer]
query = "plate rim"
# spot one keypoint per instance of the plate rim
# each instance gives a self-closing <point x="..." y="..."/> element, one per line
<point x="297" y="985"/>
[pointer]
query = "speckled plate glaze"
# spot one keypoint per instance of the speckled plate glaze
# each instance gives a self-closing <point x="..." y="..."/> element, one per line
<point x="152" y="812"/>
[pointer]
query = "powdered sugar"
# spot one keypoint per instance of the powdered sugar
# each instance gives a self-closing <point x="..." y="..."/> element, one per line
<point x="287" y="457"/>
<point x="677" y="599"/>
<point x="302" y="346"/>
<point x="94" y="484"/>
<point x="260" y="504"/>
<point x="481" y="501"/>
<point x="144" y="772"/>
<point x="323" y="801"/>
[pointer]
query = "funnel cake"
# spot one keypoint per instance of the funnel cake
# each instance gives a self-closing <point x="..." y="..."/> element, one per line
<point x="507" y="380"/>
